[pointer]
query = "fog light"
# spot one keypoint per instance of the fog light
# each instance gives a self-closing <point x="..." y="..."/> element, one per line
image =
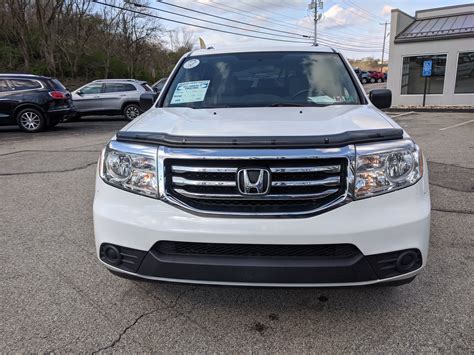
<point x="111" y="254"/>
<point x="406" y="261"/>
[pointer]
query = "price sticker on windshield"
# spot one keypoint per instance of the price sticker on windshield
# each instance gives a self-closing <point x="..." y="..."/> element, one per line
<point x="190" y="91"/>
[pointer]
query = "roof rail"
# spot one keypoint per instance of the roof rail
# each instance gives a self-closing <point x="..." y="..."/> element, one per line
<point x="130" y="80"/>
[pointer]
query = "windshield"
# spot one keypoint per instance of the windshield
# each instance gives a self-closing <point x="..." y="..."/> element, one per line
<point x="262" y="79"/>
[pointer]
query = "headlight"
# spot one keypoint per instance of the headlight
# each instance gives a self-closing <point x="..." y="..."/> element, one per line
<point x="130" y="167"/>
<point x="385" y="167"/>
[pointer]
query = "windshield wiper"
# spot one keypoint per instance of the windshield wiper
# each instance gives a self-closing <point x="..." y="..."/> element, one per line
<point x="286" y="104"/>
<point x="292" y="104"/>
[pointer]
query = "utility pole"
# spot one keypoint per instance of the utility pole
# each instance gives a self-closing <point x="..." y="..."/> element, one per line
<point x="384" y="39"/>
<point x="315" y="5"/>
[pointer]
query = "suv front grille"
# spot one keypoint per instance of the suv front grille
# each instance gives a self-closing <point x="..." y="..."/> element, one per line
<point x="295" y="186"/>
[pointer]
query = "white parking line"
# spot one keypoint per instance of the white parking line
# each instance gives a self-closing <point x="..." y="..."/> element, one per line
<point x="456" y="125"/>
<point x="403" y="114"/>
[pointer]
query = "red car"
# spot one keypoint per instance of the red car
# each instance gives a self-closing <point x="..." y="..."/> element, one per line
<point x="376" y="76"/>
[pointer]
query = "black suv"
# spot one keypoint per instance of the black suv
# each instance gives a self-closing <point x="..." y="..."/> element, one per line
<point x="33" y="102"/>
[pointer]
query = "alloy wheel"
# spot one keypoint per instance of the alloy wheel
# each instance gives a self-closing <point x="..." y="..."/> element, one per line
<point x="132" y="112"/>
<point x="30" y="120"/>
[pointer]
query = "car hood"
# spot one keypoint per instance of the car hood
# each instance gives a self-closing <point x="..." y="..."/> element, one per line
<point x="260" y="121"/>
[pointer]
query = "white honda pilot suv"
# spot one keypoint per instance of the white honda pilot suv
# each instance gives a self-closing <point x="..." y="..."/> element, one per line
<point x="266" y="167"/>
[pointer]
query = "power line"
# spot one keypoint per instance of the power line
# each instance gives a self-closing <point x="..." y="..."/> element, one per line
<point x="379" y="18"/>
<point x="341" y="24"/>
<point x="351" y="39"/>
<point x="328" y="41"/>
<point x="194" y="25"/>
<point x="360" y="13"/>
<point x="207" y="21"/>
<point x="336" y="45"/>
<point x="243" y="13"/>
<point x="364" y="44"/>
<point x="226" y="19"/>
<point x="269" y="11"/>
<point x="239" y="12"/>
<point x="348" y="48"/>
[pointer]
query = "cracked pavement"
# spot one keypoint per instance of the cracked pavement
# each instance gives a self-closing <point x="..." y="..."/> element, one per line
<point x="56" y="297"/>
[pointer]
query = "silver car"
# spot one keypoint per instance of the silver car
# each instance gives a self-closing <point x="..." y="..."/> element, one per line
<point x="110" y="97"/>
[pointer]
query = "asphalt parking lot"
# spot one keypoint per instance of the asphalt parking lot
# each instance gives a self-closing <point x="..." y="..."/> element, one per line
<point x="56" y="297"/>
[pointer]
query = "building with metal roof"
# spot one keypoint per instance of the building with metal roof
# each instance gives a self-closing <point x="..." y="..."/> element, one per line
<point x="434" y="50"/>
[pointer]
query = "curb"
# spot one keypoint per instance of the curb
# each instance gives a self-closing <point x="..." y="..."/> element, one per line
<point x="421" y="109"/>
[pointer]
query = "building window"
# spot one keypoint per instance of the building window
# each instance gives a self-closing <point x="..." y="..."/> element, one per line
<point x="414" y="83"/>
<point x="465" y="74"/>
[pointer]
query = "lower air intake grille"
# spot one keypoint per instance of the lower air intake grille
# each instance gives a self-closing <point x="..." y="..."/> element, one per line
<point x="257" y="250"/>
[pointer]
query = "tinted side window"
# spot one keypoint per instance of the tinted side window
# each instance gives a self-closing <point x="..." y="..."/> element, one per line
<point x="146" y="87"/>
<point x="117" y="87"/>
<point x="92" y="89"/>
<point x="57" y="85"/>
<point x="160" y="84"/>
<point x="23" y="84"/>
<point x="3" y="86"/>
<point x="130" y="87"/>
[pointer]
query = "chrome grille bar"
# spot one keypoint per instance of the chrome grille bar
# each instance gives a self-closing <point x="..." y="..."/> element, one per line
<point x="210" y="196"/>
<point x="331" y="181"/>
<point x="180" y="181"/>
<point x="200" y="169"/>
<point x="308" y="169"/>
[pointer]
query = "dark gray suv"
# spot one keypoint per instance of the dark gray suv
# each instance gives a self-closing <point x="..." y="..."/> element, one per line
<point x="110" y="97"/>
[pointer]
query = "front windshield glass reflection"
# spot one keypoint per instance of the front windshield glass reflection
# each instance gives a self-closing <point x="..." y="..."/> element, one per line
<point x="262" y="79"/>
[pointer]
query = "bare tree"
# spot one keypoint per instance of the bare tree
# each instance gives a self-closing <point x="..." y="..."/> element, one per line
<point x="181" y="40"/>
<point x="74" y="38"/>
<point x="46" y="14"/>
<point x="77" y="28"/>
<point x="109" y="34"/>
<point x="18" y="10"/>
<point x="137" y="30"/>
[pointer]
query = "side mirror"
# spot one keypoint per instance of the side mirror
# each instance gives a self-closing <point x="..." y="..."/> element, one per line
<point x="381" y="98"/>
<point x="79" y="92"/>
<point x="146" y="101"/>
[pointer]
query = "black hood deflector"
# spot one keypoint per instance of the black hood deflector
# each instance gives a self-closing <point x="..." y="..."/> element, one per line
<point x="322" y="141"/>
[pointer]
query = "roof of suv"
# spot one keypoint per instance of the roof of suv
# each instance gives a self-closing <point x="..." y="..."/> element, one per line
<point x="120" y="81"/>
<point x="26" y="76"/>
<point x="287" y="48"/>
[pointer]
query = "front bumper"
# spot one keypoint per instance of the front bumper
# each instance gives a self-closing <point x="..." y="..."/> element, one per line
<point x="389" y="223"/>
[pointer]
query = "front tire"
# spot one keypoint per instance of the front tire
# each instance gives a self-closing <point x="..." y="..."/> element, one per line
<point x="31" y="120"/>
<point x="131" y="111"/>
<point x="364" y="81"/>
<point x="380" y="80"/>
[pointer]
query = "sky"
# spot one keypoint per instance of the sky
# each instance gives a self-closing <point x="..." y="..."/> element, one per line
<point x="353" y="26"/>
